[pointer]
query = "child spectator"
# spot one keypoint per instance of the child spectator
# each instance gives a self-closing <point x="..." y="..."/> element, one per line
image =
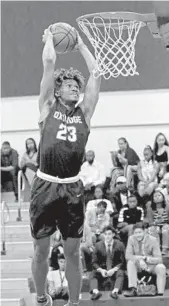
<point x="161" y="153"/>
<point x="28" y="162"/>
<point x="159" y="220"/>
<point x="98" y="196"/>
<point x="96" y="219"/>
<point x="129" y="216"/>
<point x="57" y="282"/>
<point x="147" y="173"/>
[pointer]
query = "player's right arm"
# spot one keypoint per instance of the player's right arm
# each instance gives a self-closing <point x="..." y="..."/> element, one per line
<point x="46" y="97"/>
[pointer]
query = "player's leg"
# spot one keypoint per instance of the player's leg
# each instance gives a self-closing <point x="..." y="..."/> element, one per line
<point x="73" y="268"/>
<point x="40" y="265"/>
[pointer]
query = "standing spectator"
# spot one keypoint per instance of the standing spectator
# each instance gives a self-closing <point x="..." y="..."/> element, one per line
<point x="97" y="219"/>
<point x="98" y="196"/>
<point x="143" y="254"/>
<point x="147" y="173"/>
<point x="127" y="159"/>
<point x="159" y="220"/>
<point x="28" y="162"/>
<point x="9" y="168"/>
<point x="129" y="216"/>
<point x="161" y="153"/>
<point x="92" y="174"/>
<point x="57" y="282"/>
<point x="108" y="262"/>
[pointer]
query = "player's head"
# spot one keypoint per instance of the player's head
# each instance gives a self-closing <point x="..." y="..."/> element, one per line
<point x="68" y="85"/>
<point x="6" y="148"/>
<point x="90" y="156"/>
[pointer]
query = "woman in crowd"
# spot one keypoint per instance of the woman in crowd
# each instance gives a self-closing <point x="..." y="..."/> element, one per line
<point x="147" y="173"/>
<point x="158" y="217"/>
<point x="28" y="162"/>
<point x="98" y="195"/>
<point x="161" y="154"/>
<point x="127" y="159"/>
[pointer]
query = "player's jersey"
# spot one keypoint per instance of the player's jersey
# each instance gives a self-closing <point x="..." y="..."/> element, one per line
<point x="63" y="140"/>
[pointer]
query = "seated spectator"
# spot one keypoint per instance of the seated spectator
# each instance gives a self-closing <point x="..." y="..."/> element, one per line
<point x="108" y="262"/>
<point x="143" y="254"/>
<point x="57" y="282"/>
<point x="56" y="242"/>
<point x="119" y="198"/>
<point x="129" y="215"/>
<point x="86" y="248"/>
<point x="96" y="219"/>
<point x="127" y="159"/>
<point x="28" y="162"/>
<point x="159" y="220"/>
<point x="92" y="174"/>
<point x="165" y="190"/>
<point x="110" y="183"/>
<point x="161" y="154"/>
<point x="9" y="169"/>
<point x="98" y="196"/>
<point x="147" y="173"/>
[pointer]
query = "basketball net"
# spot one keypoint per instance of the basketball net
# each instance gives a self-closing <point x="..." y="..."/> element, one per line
<point x="114" y="43"/>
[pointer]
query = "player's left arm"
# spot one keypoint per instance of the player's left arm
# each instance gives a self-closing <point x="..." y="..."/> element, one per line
<point x="91" y="94"/>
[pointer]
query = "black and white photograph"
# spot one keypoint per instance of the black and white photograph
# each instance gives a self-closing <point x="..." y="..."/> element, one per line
<point x="84" y="153"/>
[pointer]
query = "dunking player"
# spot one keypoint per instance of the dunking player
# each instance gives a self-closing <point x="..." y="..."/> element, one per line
<point x="57" y="191"/>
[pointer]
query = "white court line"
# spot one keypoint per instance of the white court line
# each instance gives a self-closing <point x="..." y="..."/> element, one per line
<point x="10" y="300"/>
<point x="18" y="226"/>
<point x="22" y="210"/>
<point x="13" y="279"/>
<point x="19" y="242"/>
<point x="15" y="260"/>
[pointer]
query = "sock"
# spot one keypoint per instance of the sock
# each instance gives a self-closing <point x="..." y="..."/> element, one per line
<point x="95" y="291"/>
<point x="42" y="298"/>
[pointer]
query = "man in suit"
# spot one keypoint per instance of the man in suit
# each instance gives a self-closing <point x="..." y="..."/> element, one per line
<point x="143" y="254"/>
<point x="108" y="263"/>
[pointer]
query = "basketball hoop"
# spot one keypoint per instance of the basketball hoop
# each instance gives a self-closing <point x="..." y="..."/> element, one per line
<point x="113" y="36"/>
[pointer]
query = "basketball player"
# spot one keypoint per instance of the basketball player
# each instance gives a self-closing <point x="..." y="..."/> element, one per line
<point x="57" y="192"/>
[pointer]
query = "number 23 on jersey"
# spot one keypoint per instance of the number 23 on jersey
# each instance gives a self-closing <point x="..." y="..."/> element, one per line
<point x="67" y="133"/>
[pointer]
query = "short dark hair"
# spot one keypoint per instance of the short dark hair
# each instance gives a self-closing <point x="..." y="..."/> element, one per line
<point x="61" y="256"/>
<point x="102" y="203"/>
<point x="6" y="143"/>
<point x="133" y="194"/>
<point x="109" y="228"/>
<point x="139" y="225"/>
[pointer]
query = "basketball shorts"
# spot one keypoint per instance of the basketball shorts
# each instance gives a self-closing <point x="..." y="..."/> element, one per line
<point x="56" y="205"/>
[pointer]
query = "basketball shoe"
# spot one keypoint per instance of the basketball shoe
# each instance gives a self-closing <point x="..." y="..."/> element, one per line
<point x="49" y="301"/>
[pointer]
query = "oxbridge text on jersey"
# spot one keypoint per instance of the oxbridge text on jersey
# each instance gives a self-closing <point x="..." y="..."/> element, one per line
<point x="67" y="119"/>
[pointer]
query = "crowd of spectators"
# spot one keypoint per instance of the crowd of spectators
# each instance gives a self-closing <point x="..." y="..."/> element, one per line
<point x="126" y="224"/>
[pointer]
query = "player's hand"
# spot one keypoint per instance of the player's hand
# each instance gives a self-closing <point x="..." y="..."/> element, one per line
<point x="112" y="271"/>
<point x="79" y="43"/>
<point x="47" y="33"/>
<point x="143" y="265"/>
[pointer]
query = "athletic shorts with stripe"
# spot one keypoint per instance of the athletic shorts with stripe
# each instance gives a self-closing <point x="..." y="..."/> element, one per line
<point x="55" y="205"/>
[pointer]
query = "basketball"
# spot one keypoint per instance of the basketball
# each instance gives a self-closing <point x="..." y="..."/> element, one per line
<point x="64" y="37"/>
